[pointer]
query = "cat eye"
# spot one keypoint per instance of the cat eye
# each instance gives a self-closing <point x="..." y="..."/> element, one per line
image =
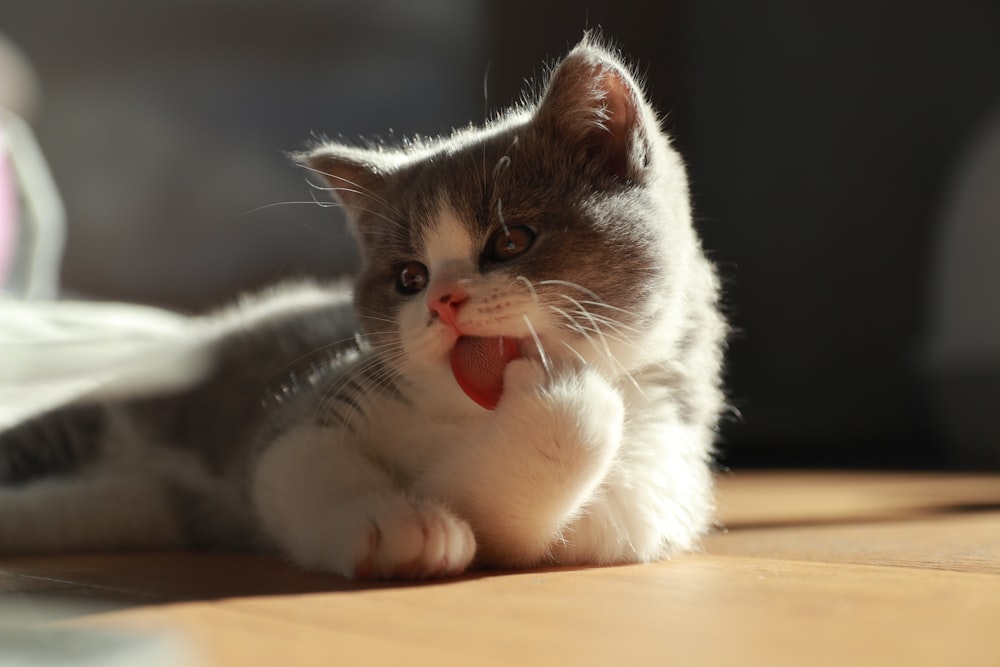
<point x="411" y="277"/>
<point x="510" y="242"/>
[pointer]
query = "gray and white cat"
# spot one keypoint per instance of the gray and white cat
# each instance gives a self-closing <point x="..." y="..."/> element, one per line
<point x="527" y="372"/>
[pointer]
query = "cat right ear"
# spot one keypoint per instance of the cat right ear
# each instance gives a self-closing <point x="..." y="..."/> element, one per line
<point x="350" y="174"/>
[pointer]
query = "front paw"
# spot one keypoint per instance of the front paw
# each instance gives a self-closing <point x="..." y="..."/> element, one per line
<point x="405" y="541"/>
<point x="574" y="405"/>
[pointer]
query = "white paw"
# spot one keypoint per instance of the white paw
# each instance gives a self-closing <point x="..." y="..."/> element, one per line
<point x="590" y="407"/>
<point x="402" y="541"/>
<point x="573" y="406"/>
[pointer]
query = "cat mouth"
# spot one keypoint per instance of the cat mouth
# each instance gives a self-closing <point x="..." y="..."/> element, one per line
<point x="478" y="364"/>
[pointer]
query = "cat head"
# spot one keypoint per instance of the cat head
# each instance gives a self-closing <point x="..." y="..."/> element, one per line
<point x="563" y="225"/>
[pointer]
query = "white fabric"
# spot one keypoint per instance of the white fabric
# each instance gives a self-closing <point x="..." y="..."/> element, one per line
<point x="53" y="351"/>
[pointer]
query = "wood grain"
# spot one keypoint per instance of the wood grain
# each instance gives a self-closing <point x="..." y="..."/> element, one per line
<point x="813" y="569"/>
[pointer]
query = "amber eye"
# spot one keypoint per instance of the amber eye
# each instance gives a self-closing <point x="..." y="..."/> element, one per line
<point x="510" y="242"/>
<point x="411" y="277"/>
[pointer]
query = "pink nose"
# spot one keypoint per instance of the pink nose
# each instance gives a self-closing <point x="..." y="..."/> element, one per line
<point x="446" y="302"/>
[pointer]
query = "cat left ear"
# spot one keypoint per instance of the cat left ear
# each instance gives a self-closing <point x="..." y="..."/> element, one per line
<point x="592" y="101"/>
<point x="352" y="176"/>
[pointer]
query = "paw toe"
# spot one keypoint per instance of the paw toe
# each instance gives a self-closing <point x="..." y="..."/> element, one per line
<point x="416" y="543"/>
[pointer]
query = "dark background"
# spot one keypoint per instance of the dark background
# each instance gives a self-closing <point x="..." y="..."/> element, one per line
<point x="823" y="140"/>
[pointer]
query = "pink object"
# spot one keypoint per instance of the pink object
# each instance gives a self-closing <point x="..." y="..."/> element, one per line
<point x="8" y="213"/>
<point x="446" y="304"/>
<point x="478" y="365"/>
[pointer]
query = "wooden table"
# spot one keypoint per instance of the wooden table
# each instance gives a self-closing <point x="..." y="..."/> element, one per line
<point x="809" y="569"/>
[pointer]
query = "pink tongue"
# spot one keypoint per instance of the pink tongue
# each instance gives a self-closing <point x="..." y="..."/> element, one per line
<point x="478" y="365"/>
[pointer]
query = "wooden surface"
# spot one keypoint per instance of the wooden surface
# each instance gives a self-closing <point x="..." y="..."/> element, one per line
<point x="809" y="569"/>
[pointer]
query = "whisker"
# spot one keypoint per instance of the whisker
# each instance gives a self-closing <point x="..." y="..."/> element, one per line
<point x="375" y="318"/>
<point x="322" y="204"/>
<point x="367" y="385"/>
<point x="597" y="328"/>
<point x="281" y="372"/>
<point x="620" y="329"/>
<point x="330" y="204"/>
<point x="377" y="214"/>
<point x="574" y="325"/>
<point x="574" y="351"/>
<point x="566" y="283"/>
<point x="531" y="288"/>
<point x="617" y="325"/>
<point x="546" y="364"/>
<point x="502" y="163"/>
<point x="359" y="189"/>
<point x="503" y="224"/>
<point x="604" y="304"/>
<point x="486" y="111"/>
<point x="325" y="204"/>
<point x="386" y="373"/>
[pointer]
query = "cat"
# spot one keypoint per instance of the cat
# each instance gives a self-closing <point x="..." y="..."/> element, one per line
<point x="525" y="372"/>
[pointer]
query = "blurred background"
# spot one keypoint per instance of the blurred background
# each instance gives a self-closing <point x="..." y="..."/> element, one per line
<point x="845" y="165"/>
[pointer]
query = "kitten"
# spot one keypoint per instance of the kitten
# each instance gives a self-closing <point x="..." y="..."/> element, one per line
<point x="527" y="372"/>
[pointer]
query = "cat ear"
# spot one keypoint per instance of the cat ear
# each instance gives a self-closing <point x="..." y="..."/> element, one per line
<point x="593" y="102"/>
<point x="353" y="176"/>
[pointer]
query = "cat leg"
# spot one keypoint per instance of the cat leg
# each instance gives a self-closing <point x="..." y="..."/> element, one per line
<point x="87" y="512"/>
<point x="659" y="502"/>
<point x="331" y="509"/>
<point x="538" y="464"/>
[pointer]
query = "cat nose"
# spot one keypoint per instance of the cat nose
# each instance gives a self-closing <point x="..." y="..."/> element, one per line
<point x="445" y="303"/>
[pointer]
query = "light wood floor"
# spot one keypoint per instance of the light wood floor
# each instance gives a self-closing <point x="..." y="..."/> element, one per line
<point x="810" y="569"/>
